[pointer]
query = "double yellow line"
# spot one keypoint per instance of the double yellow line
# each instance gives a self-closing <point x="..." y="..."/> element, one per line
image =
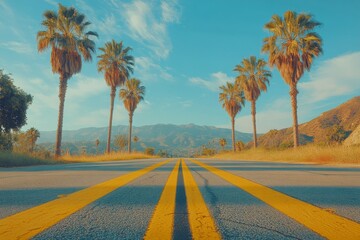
<point x="202" y="225"/>
<point x="31" y="222"/>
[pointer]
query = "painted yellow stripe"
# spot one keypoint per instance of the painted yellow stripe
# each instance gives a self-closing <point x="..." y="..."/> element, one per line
<point x="162" y="221"/>
<point x="31" y="222"/>
<point x="328" y="225"/>
<point x="201" y="223"/>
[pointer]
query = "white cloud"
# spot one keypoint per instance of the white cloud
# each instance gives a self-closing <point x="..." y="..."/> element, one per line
<point x="146" y="26"/>
<point x="171" y="11"/>
<point x="19" y="47"/>
<point x="104" y="26"/>
<point x="335" y="77"/>
<point x="217" y="79"/>
<point x="84" y="87"/>
<point x="150" y="71"/>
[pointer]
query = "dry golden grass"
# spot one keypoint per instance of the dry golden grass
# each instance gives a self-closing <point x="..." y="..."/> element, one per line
<point x="306" y="154"/>
<point x="115" y="156"/>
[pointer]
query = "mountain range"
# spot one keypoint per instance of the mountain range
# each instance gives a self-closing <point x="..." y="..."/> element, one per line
<point x="177" y="140"/>
<point x="186" y="140"/>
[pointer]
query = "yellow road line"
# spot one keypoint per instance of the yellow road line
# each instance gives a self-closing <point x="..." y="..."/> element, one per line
<point x="162" y="221"/>
<point x="328" y="225"/>
<point x="31" y="222"/>
<point x="202" y="224"/>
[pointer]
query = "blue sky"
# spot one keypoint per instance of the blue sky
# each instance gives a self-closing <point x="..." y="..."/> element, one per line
<point x="184" y="50"/>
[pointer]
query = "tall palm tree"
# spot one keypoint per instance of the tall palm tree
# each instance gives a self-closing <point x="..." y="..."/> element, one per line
<point x="65" y="33"/>
<point x="232" y="99"/>
<point x="131" y="95"/>
<point x="116" y="64"/>
<point x="292" y="47"/>
<point x="253" y="78"/>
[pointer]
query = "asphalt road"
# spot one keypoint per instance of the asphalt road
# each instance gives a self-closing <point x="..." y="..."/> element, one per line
<point x="126" y="211"/>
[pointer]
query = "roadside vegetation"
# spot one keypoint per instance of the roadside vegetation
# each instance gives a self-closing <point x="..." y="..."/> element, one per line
<point x="113" y="156"/>
<point x="333" y="154"/>
<point x="9" y="159"/>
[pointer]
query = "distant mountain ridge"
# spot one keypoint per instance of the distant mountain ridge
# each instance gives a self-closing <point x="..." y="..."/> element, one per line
<point x="175" y="139"/>
<point x="346" y="115"/>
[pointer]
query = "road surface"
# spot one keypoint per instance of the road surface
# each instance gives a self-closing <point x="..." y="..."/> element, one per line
<point x="180" y="199"/>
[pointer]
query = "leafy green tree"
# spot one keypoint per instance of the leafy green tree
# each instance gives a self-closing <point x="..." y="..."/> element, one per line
<point x="292" y="48"/>
<point x="253" y="78"/>
<point x="14" y="103"/>
<point x="336" y="134"/>
<point x="116" y="64"/>
<point x="65" y="33"/>
<point x="232" y="99"/>
<point x="131" y="95"/>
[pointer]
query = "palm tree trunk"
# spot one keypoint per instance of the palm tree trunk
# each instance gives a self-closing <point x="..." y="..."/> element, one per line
<point x="233" y="132"/>
<point x="112" y="98"/>
<point x="253" y="113"/>
<point x="62" y="93"/>
<point x="130" y="130"/>
<point x="293" y="95"/>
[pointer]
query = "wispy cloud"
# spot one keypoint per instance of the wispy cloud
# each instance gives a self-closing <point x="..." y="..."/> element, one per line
<point x="84" y="87"/>
<point x="148" y="70"/>
<point x="105" y="26"/>
<point x="216" y="80"/>
<point x="171" y="11"/>
<point x="335" y="77"/>
<point x="144" y="25"/>
<point x="19" y="47"/>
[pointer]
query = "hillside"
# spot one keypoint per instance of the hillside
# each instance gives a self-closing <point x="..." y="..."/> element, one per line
<point x="354" y="138"/>
<point x="175" y="139"/>
<point x="346" y="115"/>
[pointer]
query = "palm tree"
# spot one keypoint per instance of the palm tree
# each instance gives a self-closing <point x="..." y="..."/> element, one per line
<point x="117" y="64"/>
<point x="131" y="95"/>
<point x="253" y="78"/>
<point x="222" y="143"/>
<point x="292" y="47"/>
<point x="232" y="99"/>
<point x="34" y="134"/>
<point x="65" y="32"/>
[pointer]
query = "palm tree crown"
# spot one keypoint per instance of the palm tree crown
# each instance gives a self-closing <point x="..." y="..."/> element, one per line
<point x="232" y="98"/>
<point x="292" y="45"/>
<point x="132" y="94"/>
<point x="116" y="63"/>
<point x="253" y="77"/>
<point x="65" y="32"/>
